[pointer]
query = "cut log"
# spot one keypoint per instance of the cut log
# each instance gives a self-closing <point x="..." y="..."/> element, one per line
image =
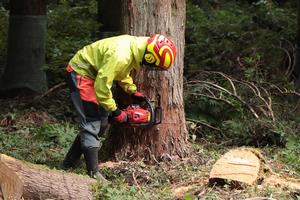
<point x="240" y="165"/>
<point x="275" y="180"/>
<point x="247" y="166"/>
<point x="11" y="184"/>
<point x="25" y="180"/>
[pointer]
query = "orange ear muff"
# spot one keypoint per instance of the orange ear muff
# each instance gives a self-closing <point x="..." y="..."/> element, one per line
<point x="149" y="58"/>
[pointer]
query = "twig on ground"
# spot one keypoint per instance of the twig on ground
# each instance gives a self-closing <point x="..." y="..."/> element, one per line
<point x="296" y="107"/>
<point x="52" y="89"/>
<point x="153" y="156"/>
<point x="229" y="80"/>
<point x="257" y="93"/>
<point x="221" y="89"/>
<point x="204" y="124"/>
<point x="212" y="97"/>
<point x="290" y="66"/>
<point x="261" y="103"/>
<point x="137" y="185"/>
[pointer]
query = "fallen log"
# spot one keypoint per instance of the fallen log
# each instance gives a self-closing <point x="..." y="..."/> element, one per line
<point x="28" y="181"/>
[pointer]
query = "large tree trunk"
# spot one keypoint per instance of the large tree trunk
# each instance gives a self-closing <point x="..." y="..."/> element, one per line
<point x="19" y="179"/>
<point x="141" y="18"/>
<point x="26" y="47"/>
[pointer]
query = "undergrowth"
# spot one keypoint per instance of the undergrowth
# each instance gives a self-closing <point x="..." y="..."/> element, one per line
<point x="42" y="145"/>
<point x="43" y="138"/>
<point x="238" y="87"/>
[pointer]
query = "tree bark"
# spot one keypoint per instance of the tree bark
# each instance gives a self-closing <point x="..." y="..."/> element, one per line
<point x="26" y="48"/>
<point x="297" y="57"/>
<point x="109" y="12"/>
<point x="28" y="7"/>
<point x="19" y="179"/>
<point x="141" y="18"/>
<point x="109" y="15"/>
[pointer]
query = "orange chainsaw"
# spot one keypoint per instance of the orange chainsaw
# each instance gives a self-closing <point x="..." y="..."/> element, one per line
<point x="143" y="114"/>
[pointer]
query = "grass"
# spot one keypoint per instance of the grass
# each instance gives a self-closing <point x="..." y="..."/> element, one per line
<point x="41" y="131"/>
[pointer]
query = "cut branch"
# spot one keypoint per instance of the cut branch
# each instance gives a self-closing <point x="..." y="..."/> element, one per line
<point x="217" y="87"/>
<point x="212" y="97"/>
<point x="260" y="104"/>
<point x="204" y="124"/>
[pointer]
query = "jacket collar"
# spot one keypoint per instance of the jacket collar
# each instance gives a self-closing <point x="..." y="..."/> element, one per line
<point x="138" y="48"/>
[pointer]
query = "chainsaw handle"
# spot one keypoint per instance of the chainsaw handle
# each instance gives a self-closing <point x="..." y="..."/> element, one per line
<point x="158" y="115"/>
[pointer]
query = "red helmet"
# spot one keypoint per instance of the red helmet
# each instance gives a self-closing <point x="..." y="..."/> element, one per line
<point x="160" y="51"/>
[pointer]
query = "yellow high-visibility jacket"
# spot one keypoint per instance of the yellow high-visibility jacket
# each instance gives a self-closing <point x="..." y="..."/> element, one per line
<point x="109" y="60"/>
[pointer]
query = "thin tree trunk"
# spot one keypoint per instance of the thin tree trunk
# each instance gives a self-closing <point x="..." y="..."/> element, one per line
<point x="109" y="17"/>
<point x="26" y="47"/>
<point x="141" y="18"/>
<point x="297" y="61"/>
<point x="19" y="179"/>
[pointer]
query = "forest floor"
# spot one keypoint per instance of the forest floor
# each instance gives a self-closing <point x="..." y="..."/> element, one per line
<point x="48" y="123"/>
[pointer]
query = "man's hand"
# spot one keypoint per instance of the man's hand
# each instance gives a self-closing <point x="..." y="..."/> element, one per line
<point x="138" y="97"/>
<point x="119" y="116"/>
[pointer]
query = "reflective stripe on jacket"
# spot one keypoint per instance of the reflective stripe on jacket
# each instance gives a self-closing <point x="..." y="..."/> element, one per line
<point x="108" y="60"/>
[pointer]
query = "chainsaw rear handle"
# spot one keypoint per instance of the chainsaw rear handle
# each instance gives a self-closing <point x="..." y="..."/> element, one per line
<point x="156" y="113"/>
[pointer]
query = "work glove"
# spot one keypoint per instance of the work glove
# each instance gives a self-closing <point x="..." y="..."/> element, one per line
<point x="138" y="97"/>
<point x="119" y="116"/>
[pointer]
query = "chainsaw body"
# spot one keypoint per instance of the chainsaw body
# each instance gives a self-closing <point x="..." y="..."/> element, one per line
<point x="143" y="114"/>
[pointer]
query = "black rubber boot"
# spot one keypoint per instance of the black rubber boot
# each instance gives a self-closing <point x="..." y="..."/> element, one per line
<point x="91" y="160"/>
<point x="73" y="156"/>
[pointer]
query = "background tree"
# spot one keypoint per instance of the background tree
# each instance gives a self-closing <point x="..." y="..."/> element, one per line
<point x="141" y="18"/>
<point x="109" y="16"/>
<point x="26" y="47"/>
<point x="297" y="64"/>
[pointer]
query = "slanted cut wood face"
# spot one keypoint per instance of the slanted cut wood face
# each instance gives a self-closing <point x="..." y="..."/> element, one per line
<point x="11" y="186"/>
<point x="240" y="165"/>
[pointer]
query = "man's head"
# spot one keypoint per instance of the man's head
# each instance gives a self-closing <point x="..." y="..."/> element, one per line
<point x="160" y="52"/>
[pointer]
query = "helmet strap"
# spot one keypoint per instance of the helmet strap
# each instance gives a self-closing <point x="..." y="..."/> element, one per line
<point x="150" y="66"/>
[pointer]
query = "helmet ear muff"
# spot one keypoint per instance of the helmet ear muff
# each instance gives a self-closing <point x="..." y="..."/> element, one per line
<point x="149" y="58"/>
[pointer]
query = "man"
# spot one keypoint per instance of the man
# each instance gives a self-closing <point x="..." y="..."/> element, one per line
<point x="92" y="72"/>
